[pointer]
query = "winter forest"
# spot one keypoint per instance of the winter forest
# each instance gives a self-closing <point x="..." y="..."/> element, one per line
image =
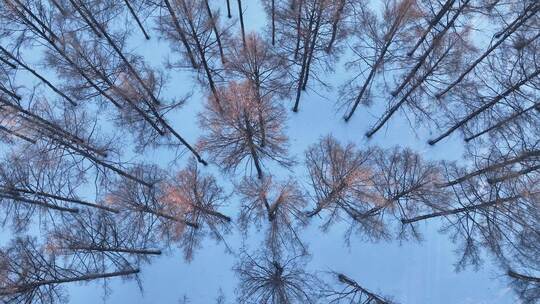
<point x="270" y="151"/>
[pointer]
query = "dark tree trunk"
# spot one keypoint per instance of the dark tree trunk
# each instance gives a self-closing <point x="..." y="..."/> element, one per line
<point x="459" y="210"/>
<point x="335" y="24"/>
<point x="87" y="277"/>
<point x="33" y="72"/>
<point x="180" y="32"/>
<point x="484" y="107"/>
<point x="216" y="32"/>
<point x="241" y="16"/>
<point x="432" y="23"/>
<point x="139" y="23"/>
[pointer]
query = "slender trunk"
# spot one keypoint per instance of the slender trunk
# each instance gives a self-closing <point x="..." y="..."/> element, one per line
<point x="257" y="89"/>
<point x="523" y="156"/>
<point x="380" y="59"/>
<point x="52" y="41"/>
<point x="484" y="107"/>
<point x="87" y="277"/>
<point x="72" y="144"/>
<point x="459" y="210"/>
<point x="202" y="54"/>
<point x="503" y="122"/>
<point x="242" y="22"/>
<point x="114" y="249"/>
<point x="307" y="39"/>
<point x="15" y="191"/>
<point x="273" y="23"/>
<point x="298" y="29"/>
<point x="335" y="24"/>
<point x="37" y="75"/>
<point x="312" y="47"/>
<point x="148" y="119"/>
<point x="370" y="296"/>
<point x="128" y="64"/>
<point x="513" y="175"/>
<point x="523" y="277"/>
<point x="59" y="8"/>
<point x="431" y="47"/>
<point x="11" y="94"/>
<point x="252" y="148"/>
<point x="405" y="97"/>
<point x="9" y="196"/>
<point x="327" y="200"/>
<point x="17" y="134"/>
<point x="86" y="18"/>
<point x="139" y="23"/>
<point x="180" y="32"/>
<point x="9" y="64"/>
<point x="166" y="216"/>
<point x="212" y="212"/>
<point x="432" y="23"/>
<point x="229" y="9"/>
<point x="52" y="128"/>
<point x="215" y="29"/>
<point x="507" y="32"/>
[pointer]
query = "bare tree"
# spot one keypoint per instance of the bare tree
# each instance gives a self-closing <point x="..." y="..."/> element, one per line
<point x="234" y="131"/>
<point x="380" y="43"/>
<point x="31" y="274"/>
<point x="200" y="197"/>
<point x="280" y="204"/>
<point x="340" y="177"/>
<point x="266" y="280"/>
<point x="527" y="287"/>
<point x="352" y="292"/>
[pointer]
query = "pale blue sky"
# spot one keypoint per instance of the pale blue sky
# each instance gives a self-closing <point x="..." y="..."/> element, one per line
<point x="411" y="273"/>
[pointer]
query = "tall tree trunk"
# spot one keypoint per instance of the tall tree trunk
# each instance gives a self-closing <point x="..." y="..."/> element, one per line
<point x="507" y="32"/>
<point x="431" y="47"/>
<point x="370" y="296"/>
<point x="17" y="134"/>
<point x="273" y="23"/>
<point x="522" y="157"/>
<point x="216" y="32"/>
<point x="10" y="196"/>
<point x="405" y="97"/>
<point x="139" y="23"/>
<point x="459" y="210"/>
<point x="52" y="128"/>
<point x="312" y="46"/>
<point x="335" y="24"/>
<point x="503" y="122"/>
<point x="10" y="290"/>
<point x="307" y="40"/>
<point x="389" y="40"/>
<point x="88" y="19"/>
<point x="10" y="93"/>
<point x="523" y="277"/>
<point x="513" y="175"/>
<point x="37" y="75"/>
<point x="229" y="9"/>
<point x="432" y="23"/>
<point x="117" y="49"/>
<point x="298" y="28"/>
<point x="252" y="147"/>
<point x="158" y="213"/>
<point x="16" y="191"/>
<point x="91" y="247"/>
<point x="484" y="107"/>
<point x="9" y="64"/>
<point x="202" y="54"/>
<point x="180" y="32"/>
<point x="241" y="16"/>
